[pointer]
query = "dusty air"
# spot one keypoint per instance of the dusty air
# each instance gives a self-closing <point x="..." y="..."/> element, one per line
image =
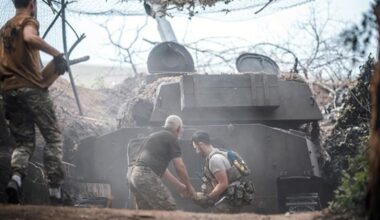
<point x="172" y="121"/>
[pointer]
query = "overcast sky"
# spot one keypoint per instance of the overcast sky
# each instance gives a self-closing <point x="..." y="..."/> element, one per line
<point x="240" y="29"/>
<point x="274" y="27"/>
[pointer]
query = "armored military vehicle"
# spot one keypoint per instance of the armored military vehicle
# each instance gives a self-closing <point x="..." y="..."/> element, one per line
<point x="253" y="113"/>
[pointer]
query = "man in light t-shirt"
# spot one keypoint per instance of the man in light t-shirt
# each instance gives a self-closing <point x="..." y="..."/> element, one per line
<point x="215" y="170"/>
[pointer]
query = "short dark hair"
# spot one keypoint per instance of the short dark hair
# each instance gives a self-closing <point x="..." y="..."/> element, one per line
<point x="201" y="136"/>
<point x="21" y="3"/>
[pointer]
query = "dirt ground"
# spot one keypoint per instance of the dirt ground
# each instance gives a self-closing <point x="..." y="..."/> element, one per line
<point x="9" y="212"/>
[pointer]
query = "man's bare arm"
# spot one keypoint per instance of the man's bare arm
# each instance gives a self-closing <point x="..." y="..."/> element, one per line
<point x="174" y="181"/>
<point x="182" y="174"/>
<point x="31" y="37"/>
<point x="221" y="186"/>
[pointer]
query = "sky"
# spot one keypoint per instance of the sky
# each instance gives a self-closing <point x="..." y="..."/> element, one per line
<point x="273" y="27"/>
<point x="236" y="29"/>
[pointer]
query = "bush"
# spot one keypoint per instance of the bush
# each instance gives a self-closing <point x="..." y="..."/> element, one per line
<point x="348" y="145"/>
<point x="350" y="195"/>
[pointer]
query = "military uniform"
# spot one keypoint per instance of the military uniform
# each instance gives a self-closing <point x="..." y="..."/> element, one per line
<point x="144" y="177"/>
<point x="26" y="103"/>
<point x="149" y="190"/>
<point x="5" y="146"/>
<point x="239" y="191"/>
<point x="27" y="107"/>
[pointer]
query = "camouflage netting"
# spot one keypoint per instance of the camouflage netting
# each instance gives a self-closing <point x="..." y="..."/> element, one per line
<point x="136" y="91"/>
<point x="291" y="77"/>
<point x="245" y="9"/>
<point x="192" y="2"/>
<point x="350" y="134"/>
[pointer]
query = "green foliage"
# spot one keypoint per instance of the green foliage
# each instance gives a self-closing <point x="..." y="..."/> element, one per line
<point x="350" y="195"/>
<point x="348" y="144"/>
<point x="190" y="5"/>
<point x="352" y="127"/>
<point x="360" y="37"/>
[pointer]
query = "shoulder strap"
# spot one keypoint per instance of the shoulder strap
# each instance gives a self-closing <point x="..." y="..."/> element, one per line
<point x="207" y="162"/>
<point x="218" y="151"/>
<point x="213" y="153"/>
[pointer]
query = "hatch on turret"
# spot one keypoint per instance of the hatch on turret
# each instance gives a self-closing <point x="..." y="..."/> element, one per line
<point x="256" y="63"/>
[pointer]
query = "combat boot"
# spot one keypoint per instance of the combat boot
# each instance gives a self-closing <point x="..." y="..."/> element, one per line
<point x="58" y="197"/>
<point x="55" y="195"/>
<point x="13" y="190"/>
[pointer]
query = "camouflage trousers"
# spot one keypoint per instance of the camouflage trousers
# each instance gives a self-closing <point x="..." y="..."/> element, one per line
<point x="5" y="173"/>
<point x="25" y="108"/>
<point x="6" y="140"/>
<point x="149" y="190"/>
<point x="5" y="146"/>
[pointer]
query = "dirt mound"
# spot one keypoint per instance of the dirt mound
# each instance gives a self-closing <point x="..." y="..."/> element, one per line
<point x="96" y="119"/>
<point x="141" y="92"/>
<point x="64" y="213"/>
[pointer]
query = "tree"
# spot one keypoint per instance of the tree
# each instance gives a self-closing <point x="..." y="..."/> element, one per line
<point x="374" y="152"/>
<point x="126" y="52"/>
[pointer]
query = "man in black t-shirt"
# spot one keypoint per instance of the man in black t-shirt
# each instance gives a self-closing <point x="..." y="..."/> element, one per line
<point x="145" y="177"/>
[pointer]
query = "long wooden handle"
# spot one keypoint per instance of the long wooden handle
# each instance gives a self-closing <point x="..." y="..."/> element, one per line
<point x="50" y="75"/>
<point x="78" y="60"/>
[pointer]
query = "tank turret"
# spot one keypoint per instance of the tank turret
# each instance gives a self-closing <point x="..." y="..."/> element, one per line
<point x="254" y="113"/>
